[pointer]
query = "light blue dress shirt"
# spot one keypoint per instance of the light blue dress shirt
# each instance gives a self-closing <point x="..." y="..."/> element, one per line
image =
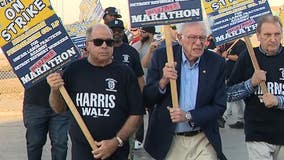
<point x="188" y="90"/>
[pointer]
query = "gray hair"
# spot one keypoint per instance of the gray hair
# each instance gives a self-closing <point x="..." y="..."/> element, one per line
<point x="200" y="23"/>
<point x="268" y="19"/>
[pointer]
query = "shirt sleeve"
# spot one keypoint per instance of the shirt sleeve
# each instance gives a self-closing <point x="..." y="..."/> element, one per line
<point x="134" y="95"/>
<point x="240" y="91"/>
<point x="280" y="102"/>
<point x="137" y="64"/>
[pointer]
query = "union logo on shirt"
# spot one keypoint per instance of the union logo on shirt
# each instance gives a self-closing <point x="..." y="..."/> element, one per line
<point x="125" y="58"/>
<point x="282" y="73"/>
<point x="111" y="84"/>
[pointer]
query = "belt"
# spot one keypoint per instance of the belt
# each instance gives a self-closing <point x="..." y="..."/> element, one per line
<point x="189" y="134"/>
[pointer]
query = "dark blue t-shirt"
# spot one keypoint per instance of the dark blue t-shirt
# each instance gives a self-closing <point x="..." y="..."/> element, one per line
<point x="105" y="97"/>
<point x="38" y="94"/>
<point x="129" y="56"/>
<point x="262" y="123"/>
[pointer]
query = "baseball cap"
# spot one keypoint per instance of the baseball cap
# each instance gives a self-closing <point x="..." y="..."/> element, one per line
<point x="112" y="11"/>
<point x="116" y="23"/>
<point x="149" y="30"/>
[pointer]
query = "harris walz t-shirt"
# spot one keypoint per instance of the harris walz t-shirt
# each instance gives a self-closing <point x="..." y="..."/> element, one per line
<point x="105" y="97"/>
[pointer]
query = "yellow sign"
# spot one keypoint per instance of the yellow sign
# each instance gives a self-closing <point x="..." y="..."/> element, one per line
<point x="78" y="29"/>
<point x="220" y="5"/>
<point x="281" y="14"/>
<point x="19" y="16"/>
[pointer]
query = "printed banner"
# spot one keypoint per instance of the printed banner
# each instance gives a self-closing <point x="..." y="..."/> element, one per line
<point x="233" y="19"/>
<point x="34" y="41"/>
<point x="163" y="12"/>
<point x="18" y="16"/>
<point x="91" y="10"/>
<point x="77" y="32"/>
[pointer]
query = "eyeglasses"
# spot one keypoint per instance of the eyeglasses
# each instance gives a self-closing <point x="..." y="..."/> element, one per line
<point x="99" y="42"/>
<point x="195" y="37"/>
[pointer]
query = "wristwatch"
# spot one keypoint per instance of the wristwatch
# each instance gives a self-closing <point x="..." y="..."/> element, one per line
<point x="120" y="141"/>
<point x="188" y="116"/>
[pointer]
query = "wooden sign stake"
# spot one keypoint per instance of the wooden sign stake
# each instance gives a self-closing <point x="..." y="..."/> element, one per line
<point x="254" y="62"/>
<point x="170" y="57"/>
<point x="78" y="117"/>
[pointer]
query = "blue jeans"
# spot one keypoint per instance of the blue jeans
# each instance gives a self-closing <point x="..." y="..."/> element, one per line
<point x="40" y="120"/>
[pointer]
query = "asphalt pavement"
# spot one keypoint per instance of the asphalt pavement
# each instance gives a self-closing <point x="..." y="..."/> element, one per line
<point x="12" y="141"/>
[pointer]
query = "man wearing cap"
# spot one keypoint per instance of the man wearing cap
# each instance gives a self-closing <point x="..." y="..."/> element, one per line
<point x="142" y="46"/>
<point x="112" y="13"/>
<point x="125" y="53"/>
<point x="173" y="37"/>
<point x="128" y="55"/>
<point x="135" y="35"/>
<point x="159" y="44"/>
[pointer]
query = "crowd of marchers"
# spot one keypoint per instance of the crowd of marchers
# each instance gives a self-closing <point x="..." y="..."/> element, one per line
<point x="120" y="78"/>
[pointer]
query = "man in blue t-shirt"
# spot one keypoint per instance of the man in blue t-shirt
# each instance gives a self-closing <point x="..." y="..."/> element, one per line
<point x="128" y="55"/>
<point x="107" y="96"/>
<point x="264" y="112"/>
<point x="125" y="53"/>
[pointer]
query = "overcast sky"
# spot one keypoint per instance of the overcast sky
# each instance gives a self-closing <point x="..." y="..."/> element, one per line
<point x="70" y="10"/>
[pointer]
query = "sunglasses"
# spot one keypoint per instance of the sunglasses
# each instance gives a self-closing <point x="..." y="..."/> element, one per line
<point x="134" y="30"/>
<point x="99" y="42"/>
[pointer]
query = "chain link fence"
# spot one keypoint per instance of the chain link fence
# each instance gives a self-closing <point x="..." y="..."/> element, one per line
<point x="9" y="82"/>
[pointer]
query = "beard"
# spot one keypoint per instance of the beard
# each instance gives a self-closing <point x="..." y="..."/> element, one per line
<point x="117" y="38"/>
<point x="145" y="39"/>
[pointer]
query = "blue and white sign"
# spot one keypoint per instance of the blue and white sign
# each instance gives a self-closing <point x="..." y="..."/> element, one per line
<point x="40" y="51"/>
<point x="233" y="19"/>
<point x="163" y="12"/>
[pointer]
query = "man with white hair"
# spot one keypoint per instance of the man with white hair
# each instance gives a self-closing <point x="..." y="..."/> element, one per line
<point x="190" y="130"/>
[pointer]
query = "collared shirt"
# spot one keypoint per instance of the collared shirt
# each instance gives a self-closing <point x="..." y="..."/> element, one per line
<point x="245" y="89"/>
<point x="240" y="91"/>
<point x="188" y="90"/>
<point x="263" y="52"/>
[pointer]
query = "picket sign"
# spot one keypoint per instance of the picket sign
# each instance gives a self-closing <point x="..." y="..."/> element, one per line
<point x="78" y="117"/>
<point x="173" y="84"/>
<point x="236" y="41"/>
<point x="254" y="62"/>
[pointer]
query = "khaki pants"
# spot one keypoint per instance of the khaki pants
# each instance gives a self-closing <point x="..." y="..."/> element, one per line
<point x="191" y="148"/>
<point x="264" y="151"/>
